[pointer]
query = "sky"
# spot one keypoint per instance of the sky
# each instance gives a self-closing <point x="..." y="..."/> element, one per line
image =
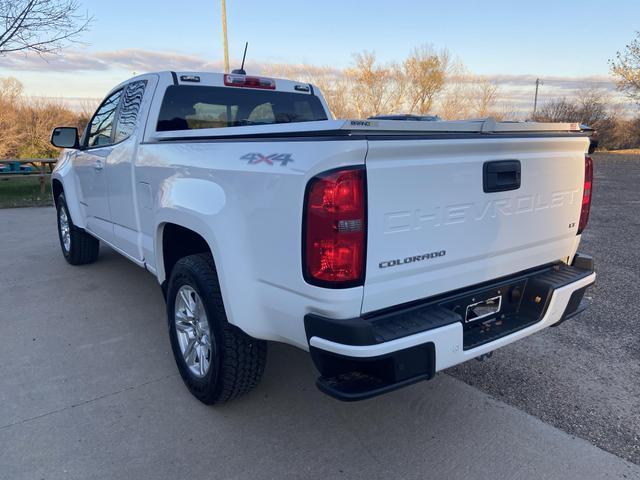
<point x="564" y="42"/>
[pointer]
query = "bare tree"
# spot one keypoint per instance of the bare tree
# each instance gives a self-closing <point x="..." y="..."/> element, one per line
<point x="557" y="110"/>
<point x="626" y="69"/>
<point x="456" y="100"/>
<point x="41" y="26"/>
<point x="11" y="103"/>
<point x="375" y="89"/>
<point x="425" y="71"/>
<point x="484" y="97"/>
<point x="11" y="90"/>
<point x="332" y="82"/>
<point x="26" y="123"/>
<point x="37" y="120"/>
<point x="590" y="107"/>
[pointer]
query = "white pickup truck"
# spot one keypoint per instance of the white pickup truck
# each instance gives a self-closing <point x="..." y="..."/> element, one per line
<point x="388" y="249"/>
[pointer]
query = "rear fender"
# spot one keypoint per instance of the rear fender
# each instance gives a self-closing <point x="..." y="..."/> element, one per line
<point x="200" y="205"/>
<point x="187" y="202"/>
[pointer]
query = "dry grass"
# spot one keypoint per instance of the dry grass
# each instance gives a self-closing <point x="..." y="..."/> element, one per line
<point x="629" y="151"/>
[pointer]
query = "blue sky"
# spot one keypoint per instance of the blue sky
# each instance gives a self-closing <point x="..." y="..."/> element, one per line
<point x="541" y="38"/>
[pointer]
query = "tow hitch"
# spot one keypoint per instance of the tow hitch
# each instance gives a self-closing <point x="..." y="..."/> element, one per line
<point x="484" y="356"/>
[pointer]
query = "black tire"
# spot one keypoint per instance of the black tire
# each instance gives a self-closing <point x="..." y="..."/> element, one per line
<point x="237" y="360"/>
<point x="83" y="248"/>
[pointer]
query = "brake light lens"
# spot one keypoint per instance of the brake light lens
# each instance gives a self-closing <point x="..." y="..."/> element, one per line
<point x="586" y="194"/>
<point x="235" y="80"/>
<point x="335" y="226"/>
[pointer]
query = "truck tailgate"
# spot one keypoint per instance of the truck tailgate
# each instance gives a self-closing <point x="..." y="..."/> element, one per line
<point x="434" y="227"/>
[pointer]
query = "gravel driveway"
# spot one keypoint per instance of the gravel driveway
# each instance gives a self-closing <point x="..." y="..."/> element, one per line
<point x="584" y="376"/>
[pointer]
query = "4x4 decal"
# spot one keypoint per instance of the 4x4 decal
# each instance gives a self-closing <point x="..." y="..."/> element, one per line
<point x="256" y="158"/>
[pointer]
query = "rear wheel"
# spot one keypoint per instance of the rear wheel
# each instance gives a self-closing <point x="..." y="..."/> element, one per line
<point x="217" y="361"/>
<point x="78" y="247"/>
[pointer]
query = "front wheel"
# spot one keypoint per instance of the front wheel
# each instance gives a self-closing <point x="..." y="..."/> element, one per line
<point x="216" y="360"/>
<point x="78" y="247"/>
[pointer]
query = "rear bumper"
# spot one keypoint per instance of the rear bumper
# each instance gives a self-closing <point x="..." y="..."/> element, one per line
<point x="367" y="356"/>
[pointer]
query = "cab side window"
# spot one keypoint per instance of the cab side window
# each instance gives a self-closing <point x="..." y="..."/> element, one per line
<point x="101" y="127"/>
<point x="128" y="116"/>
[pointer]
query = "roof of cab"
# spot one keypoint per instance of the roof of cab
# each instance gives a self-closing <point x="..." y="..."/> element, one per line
<point x="217" y="80"/>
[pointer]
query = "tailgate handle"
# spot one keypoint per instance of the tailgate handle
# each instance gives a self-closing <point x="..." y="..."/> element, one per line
<point x="501" y="175"/>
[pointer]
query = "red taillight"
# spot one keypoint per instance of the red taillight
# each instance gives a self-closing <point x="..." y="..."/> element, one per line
<point x="586" y="193"/>
<point x="235" y="80"/>
<point x="335" y="228"/>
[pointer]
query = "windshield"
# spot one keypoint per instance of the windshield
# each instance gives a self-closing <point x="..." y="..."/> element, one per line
<point x="193" y="107"/>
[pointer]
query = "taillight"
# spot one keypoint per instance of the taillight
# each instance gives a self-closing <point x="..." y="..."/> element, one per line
<point x="335" y="228"/>
<point x="586" y="193"/>
<point x="235" y="80"/>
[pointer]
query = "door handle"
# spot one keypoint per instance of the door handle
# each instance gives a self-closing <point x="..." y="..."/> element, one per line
<point x="98" y="165"/>
<point x="501" y="176"/>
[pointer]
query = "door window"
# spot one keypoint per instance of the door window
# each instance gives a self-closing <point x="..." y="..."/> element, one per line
<point x="128" y="116"/>
<point x="100" y="129"/>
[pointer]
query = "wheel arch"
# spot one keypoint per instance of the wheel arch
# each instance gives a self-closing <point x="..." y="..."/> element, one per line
<point x="60" y="186"/>
<point x="56" y="189"/>
<point x="175" y="241"/>
<point x="171" y="225"/>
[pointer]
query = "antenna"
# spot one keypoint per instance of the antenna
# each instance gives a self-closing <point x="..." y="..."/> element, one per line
<point x="535" y="99"/>
<point x="241" y="71"/>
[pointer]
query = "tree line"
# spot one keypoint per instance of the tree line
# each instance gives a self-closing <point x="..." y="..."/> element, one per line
<point x="426" y="82"/>
<point x="591" y="106"/>
<point x="26" y="123"/>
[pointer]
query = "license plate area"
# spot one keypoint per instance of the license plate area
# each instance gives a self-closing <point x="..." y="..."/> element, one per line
<point x="494" y="311"/>
<point x="483" y="309"/>
<point x="523" y="301"/>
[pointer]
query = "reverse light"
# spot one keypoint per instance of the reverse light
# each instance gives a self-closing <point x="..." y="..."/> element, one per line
<point x="586" y="193"/>
<point x="335" y="226"/>
<point x="235" y="80"/>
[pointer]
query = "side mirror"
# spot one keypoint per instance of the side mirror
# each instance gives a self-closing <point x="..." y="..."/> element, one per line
<point x="65" y="137"/>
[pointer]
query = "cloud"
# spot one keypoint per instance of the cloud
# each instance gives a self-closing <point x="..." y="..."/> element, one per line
<point x="140" y="60"/>
<point x="137" y="60"/>
<point x="568" y="83"/>
<point x="516" y="90"/>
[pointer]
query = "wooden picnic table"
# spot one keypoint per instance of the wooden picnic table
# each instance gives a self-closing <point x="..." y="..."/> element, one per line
<point x="40" y="165"/>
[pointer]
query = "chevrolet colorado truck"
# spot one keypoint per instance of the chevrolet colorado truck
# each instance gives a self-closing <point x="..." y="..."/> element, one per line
<point x="388" y="249"/>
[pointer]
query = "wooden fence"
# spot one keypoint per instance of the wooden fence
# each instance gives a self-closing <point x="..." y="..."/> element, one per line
<point x="40" y="166"/>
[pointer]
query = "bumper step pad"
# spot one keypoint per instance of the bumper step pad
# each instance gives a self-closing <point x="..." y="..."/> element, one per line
<point x="350" y="379"/>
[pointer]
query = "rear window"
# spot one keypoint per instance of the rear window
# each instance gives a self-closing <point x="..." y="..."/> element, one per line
<point x="193" y="107"/>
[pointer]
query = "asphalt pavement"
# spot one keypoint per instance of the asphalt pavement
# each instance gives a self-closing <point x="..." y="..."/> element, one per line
<point x="584" y="375"/>
<point x="89" y="389"/>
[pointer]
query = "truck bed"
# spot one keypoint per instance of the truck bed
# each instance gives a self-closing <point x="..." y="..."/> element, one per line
<point x="377" y="128"/>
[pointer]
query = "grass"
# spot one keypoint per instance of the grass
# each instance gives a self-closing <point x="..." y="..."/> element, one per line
<point x="24" y="191"/>
<point x="629" y="151"/>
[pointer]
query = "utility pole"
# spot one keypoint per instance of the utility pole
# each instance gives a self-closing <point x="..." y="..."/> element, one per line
<point x="535" y="99"/>
<point x="224" y="36"/>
